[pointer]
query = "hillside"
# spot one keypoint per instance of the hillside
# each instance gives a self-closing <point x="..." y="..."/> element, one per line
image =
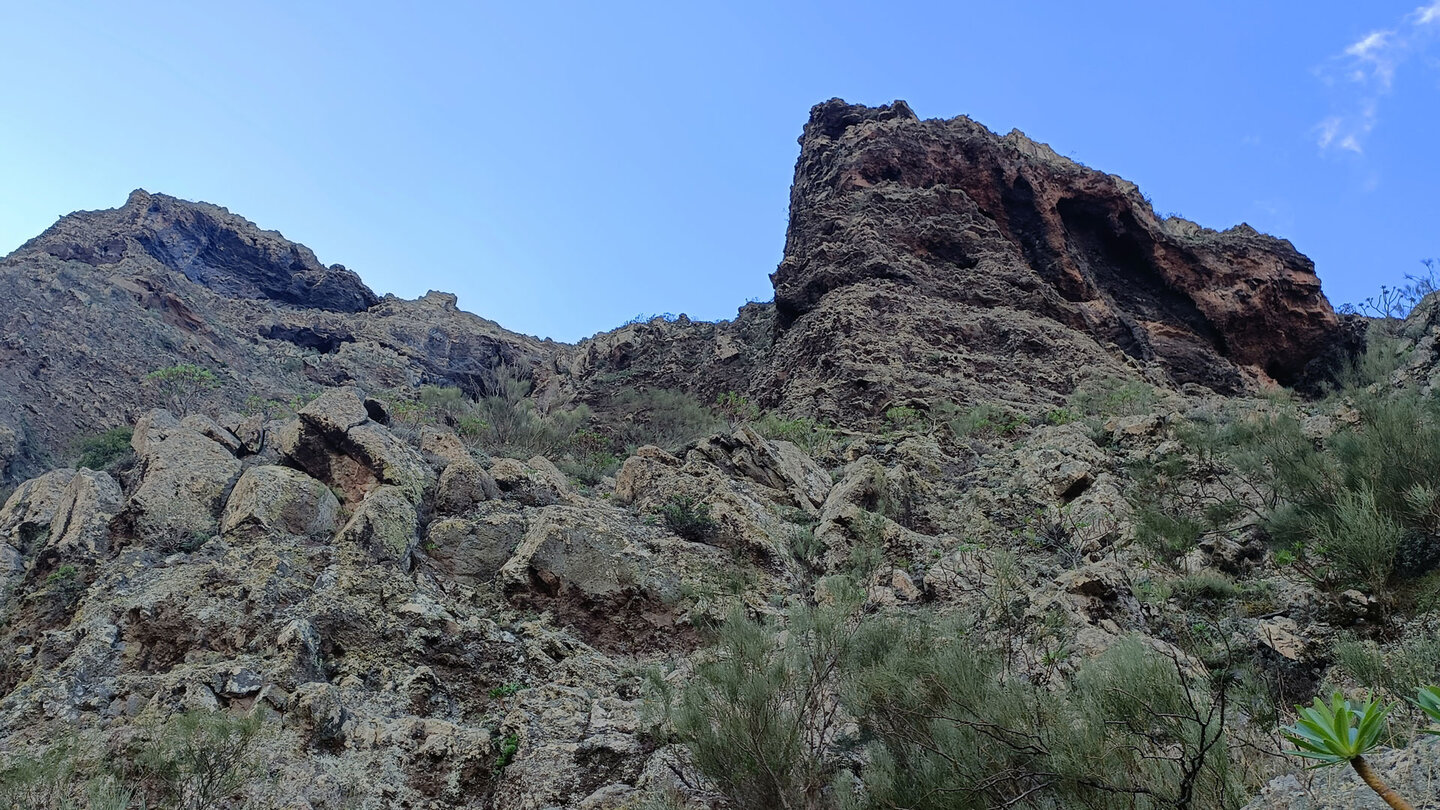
<point x="1017" y="495"/>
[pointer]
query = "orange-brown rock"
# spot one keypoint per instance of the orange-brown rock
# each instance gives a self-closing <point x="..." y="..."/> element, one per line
<point x="995" y="261"/>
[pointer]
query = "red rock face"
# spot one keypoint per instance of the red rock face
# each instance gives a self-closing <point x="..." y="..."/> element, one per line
<point x="957" y="221"/>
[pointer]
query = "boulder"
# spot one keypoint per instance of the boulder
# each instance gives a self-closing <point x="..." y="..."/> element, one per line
<point x="248" y="430"/>
<point x="463" y="485"/>
<point x="211" y="429"/>
<point x="384" y="525"/>
<point x="184" y="480"/>
<point x="442" y="445"/>
<point x="532" y="484"/>
<point x="81" y="528"/>
<point x="335" y="441"/>
<point x="472" y="549"/>
<point x="777" y="465"/>
<point x="270" y="499"/>
<point x="153" y="426"/>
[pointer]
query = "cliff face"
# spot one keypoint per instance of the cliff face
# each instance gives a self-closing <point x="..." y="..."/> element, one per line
<point x="922" y="238"/>
<point x="103" y="298"/>
<point x="209" y="246"/>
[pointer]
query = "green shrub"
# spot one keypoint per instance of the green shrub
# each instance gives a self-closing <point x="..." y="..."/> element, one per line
<point x="688" y="517"/>
<point x="66" y="584"/>
<point x="904" y="417"/>
<point x="1113" y="396"/>
<point x="509" y="747"/>
<point x="1363" y="503"/>
<point x="1397" y="668"/>
<point x="805" y="433"/>
<point x="102" y="450"/>
<point x="663" y="417"/>
<point x="736" y="409"/>
<point x="942" y="721"/>
<point x="182" y="387"/>
<point x="759" y="716"/>
<point x="983" y="421"/>
<point x="201" y="759"/>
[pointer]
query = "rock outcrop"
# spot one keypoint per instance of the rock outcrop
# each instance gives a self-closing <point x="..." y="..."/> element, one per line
<point x="975" y="262"/>
<point x="103" y="298"/>
<point x="210" y="246"/>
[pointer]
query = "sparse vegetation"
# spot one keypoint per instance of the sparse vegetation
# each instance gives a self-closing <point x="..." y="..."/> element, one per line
<point x="663" y="417"/>
<point x="182" y="387"/>
<point x="688" y="517"/>
<point x="197" y="760"/>
<point x="101" y="451"/>
<point x="941" y="722"/>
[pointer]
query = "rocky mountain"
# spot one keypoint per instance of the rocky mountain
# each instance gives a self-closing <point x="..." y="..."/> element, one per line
<point x="994" y="389"/>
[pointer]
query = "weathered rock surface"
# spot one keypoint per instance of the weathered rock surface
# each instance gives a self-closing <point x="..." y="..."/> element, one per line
<point x="271" y="499"/>
<point x="105" y="297"/>
<point x="334" y="439"/>
<point x="977" y="262"/>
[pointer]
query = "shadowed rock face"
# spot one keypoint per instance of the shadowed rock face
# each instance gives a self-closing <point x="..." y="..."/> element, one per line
<point x="949" y="221"/>
<point x="211" y="246"/>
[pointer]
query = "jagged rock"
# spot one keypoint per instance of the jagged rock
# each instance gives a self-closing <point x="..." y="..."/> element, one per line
<point x="271" y="499"/>
<point x="533" y="483"/>
<point x="778" y="465"/>
<point x="212" y="430"/>
<point x="1282" y="634"/>
<point x="26" y="519"/>
<point x="316" y="709"/>
<point x="1011" y="267"/>
<point x="184" y="480"/>
<point x="209" y="245"/>
<point x="81" y="527"/>
<point x="743" y="513"/>
<point x="590" y="566"/>
<point x="335" y="441"/>
<point x="248" y="430"/>
<point x="9" y="448"/>
<point x="474" y="548"/>
<point x="463" y="485"/>
<point x="384" y="525"/>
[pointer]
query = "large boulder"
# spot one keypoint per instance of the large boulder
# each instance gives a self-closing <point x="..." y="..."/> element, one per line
<point x="335" y="440"/>
<point x="271" y="499"/>
<point x="384" y="525"/>
<point x="777" y="465"/>
<point x="464" y="485"/>
<point x="185" y="478"/>
<point x="25" y="521"/>
<point x="600" y="574"/>
<point x="472" y="549"/>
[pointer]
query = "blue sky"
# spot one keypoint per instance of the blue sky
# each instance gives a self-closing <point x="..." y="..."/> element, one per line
<point x="566" y="166"/>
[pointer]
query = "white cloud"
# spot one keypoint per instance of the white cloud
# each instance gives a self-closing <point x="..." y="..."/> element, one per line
<point x="1368" y="67"/>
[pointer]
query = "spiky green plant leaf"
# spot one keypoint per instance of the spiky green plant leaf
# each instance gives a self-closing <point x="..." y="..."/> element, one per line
<point x="1427" y="699"/>
<point x="1336" y="732"/>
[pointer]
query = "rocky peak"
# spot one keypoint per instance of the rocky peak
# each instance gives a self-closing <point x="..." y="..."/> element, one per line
<point x="943" y="215"/>
<point x="209" y="245"/>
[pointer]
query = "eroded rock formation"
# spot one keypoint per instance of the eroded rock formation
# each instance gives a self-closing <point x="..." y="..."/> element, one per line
<point x="968" y="259"/>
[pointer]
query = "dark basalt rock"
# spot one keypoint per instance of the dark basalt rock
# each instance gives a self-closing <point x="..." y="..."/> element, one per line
<point x="211" y="246"/>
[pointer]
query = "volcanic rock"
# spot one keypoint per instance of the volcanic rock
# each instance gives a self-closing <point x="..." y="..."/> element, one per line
<point x="986" y="263"/>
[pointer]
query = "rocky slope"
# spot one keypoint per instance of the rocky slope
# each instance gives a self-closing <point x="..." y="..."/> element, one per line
<point x="103" y="298"/>
<point x="428" y="622"/>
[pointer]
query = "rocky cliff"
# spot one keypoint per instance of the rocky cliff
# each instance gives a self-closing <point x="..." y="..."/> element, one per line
<point x="990" y="266"/>
<point x="103" y="298"/>
<point x="428" y="612"/>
